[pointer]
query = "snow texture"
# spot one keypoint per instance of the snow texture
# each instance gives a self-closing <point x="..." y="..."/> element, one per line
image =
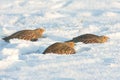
<point x="62" y="20"/>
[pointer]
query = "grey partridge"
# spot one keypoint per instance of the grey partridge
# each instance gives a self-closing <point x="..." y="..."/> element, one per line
<point x="90" y="38"/>
<point x="61" y="48"/>
<point x="31" y="35"/>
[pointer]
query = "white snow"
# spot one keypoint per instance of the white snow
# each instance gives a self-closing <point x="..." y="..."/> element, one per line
<point x="62" y="20"/>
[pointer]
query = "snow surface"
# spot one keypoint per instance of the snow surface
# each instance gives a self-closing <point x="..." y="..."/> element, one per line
<point x="62" y="20"/>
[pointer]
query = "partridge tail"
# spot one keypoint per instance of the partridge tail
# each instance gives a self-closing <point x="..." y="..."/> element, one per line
<point x="44" y="52"/>
<point x="69" y="41"/>
<point x="6" y="39"/>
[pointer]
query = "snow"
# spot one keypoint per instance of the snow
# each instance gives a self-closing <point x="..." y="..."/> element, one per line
<point x="62" y="20"/>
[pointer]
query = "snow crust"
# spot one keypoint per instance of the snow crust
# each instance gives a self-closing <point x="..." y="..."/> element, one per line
<point x="62" y="20"/>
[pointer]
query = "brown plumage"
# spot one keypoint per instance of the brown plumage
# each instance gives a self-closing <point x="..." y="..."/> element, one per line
<point x="90" y="38"/>
<point x="31" y="35"/>
<point x="61" y="48"/>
